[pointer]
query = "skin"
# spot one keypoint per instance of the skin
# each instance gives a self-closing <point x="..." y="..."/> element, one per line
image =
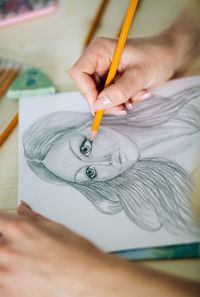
<point x="66" y="160"/>
<point x="145" y="62"/>
<point x="41" y="258"/>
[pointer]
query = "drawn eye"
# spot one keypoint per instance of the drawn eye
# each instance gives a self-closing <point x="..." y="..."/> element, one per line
<point x="91" y="172"/>
<point x="86" y="148"/>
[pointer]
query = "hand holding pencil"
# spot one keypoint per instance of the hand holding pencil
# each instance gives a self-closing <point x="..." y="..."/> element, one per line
<point x="115" y="60"/>
<point x="145" y="62"/>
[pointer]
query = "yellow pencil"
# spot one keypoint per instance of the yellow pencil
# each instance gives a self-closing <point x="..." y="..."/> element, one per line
<point x="6" y="79"/>
<point x="95" y="22"/>
<point x="115" y="62"/>
<point x="12" y="124"/>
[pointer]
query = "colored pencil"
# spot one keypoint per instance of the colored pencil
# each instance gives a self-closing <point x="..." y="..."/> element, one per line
<point x="95" y="23"/>
<point x="120" y="28"/>
<point x="115" y="61"/>
<point x="8" y="73"/>
<point x="6" y="78"/>
<point x="10" y="127"/>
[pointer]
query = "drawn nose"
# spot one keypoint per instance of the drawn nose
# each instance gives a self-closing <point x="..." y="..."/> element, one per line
<point x="102" y="162"/>
<point x="118" y="158"/>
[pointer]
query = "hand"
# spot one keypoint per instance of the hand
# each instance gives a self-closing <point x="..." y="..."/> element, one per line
<point x="41" y="258"/>
<point x="144" y="63"/>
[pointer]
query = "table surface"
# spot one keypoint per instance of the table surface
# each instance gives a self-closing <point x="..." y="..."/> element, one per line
<point x="53" y="44"/>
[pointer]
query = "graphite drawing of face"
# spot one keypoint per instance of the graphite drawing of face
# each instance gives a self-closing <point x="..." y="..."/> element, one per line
<point x="76" y="159"/>
<point x="124" y="168"/>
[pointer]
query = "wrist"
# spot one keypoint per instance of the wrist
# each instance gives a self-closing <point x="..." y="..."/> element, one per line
<point x="132" y="279"/>
<point x="182" y="41"/>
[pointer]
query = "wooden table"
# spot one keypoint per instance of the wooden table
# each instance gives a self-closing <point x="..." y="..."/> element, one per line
<point x="53" y="44"/>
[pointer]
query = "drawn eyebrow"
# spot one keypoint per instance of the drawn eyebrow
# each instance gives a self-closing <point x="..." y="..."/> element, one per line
<point x="86" y="143"/>
<point x="155" y="192"/>
<point x="84" y="158"/>
<point x="75" y="153"/>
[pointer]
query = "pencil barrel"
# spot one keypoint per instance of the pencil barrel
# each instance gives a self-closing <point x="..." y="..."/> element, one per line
<point x="117" y="55"/>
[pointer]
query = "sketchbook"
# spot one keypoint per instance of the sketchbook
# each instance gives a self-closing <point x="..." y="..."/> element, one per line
<point x="132" y="187"/>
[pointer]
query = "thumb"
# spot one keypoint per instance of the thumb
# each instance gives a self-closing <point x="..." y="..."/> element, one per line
<point x="121" y="91"/>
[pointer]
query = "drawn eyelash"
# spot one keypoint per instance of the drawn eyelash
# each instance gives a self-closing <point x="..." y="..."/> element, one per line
<point x="155" y="192"/>
<point x="91" y="172"/>
<point x="86" y="147"/>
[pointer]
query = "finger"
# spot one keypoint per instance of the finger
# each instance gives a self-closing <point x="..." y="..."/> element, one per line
<point x="6" y="221"/>
<point x="11" y="227"/>
<point x="95" y="59"/>
<point x="87" y="88"/>
<point x="97" y="79"/>
<point x="141" y="96"/>
<point x="6" y="254"/>
<point x="25" y="210"/>
<point x="130" y="83"/>
<point x="2" y="239"/>
<point x="118" y="110"/>
<point x="3" y="289"/>
<point x="82" y="74"/>
<point x="129" y="104"/>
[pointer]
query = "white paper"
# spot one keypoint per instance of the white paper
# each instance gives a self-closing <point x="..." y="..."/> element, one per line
<point x="163" y="130"/>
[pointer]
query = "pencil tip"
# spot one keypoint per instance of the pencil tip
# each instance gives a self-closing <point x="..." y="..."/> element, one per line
<point x="93" y="135"/>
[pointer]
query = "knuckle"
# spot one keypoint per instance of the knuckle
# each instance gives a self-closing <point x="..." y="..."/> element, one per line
<point x="121" y="94"/>
<point x="98" y="40"/>
<point x="103" y="41"/>
<point x="135" y="72"/>
<point x="6" y="253"/>
<point x="18" y="226"/>
<point x="101" y="45"/>
<point x="72" y="71"/>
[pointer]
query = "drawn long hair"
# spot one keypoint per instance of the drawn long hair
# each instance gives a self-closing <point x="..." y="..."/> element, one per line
<point x="154" y="192"/>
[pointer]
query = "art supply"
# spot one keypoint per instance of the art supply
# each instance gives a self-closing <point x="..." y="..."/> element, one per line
<point x="8" y="73"/>
<point x="95" y="23"/>
<point x="133" y="184"/>
<point x="8" y="129"/>
<point x="181" y="251"/>
<point x="15" y="11"/>
<point x="116" y="58"/>
<point x="9" y="70"/>
<point x="31" y="82"/>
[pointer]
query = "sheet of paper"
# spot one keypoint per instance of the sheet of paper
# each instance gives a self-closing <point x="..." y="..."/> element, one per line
<point x="132" y="187"/>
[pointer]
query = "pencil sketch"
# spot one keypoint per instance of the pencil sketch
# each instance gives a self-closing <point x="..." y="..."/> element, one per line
<point x="141" y="163"/>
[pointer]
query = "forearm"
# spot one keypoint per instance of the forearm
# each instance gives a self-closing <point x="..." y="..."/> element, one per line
<point x="183" y="38"/>
<point x="131" y="279"/>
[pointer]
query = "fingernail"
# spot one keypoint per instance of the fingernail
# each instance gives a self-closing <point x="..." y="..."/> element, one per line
<point x="118" y="112"/>
<point x="129" y="105"/>
<point x="25" y="204"/>
<point x="91" y="107"/>
<point x="145" y="96"/>
<point x="102" y="103"/>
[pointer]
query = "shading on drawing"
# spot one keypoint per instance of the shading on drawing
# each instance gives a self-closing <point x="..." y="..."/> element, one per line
<point x="140" y="163"/>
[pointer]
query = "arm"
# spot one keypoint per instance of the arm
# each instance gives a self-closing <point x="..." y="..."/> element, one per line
<point x="183" y="37"/>
<point x="43" y="258"/>
<point x="145" y="63"/>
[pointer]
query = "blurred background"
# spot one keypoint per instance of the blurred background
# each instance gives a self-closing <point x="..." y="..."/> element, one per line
<point x="54" y="42"/>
